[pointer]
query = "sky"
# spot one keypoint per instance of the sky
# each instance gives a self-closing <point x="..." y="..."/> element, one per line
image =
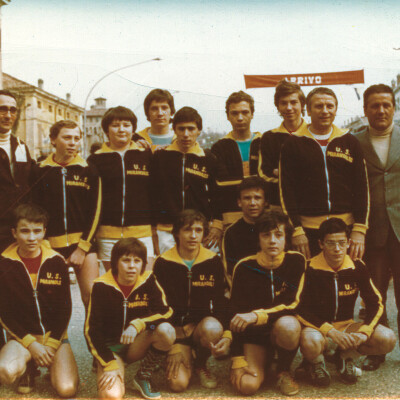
<point x="205" y="48"/>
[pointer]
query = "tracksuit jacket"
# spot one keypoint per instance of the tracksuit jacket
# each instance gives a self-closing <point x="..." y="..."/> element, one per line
<point x="329" y="296"/>
<point x="125" y="183"/>
<point x="230" y="172"/>
<point x="110" y="313"/>
<point x="315" y="186"/>
<point x="14" y="188"/>
<point x="270" y="291"/>
<point x="181" y="181"/>
<point x="240" y="240"/>
<point x="196" y="293"/>
<point x="42" y="310"/>
<point x="271" y="143"/>
<point x="72" y="197"/>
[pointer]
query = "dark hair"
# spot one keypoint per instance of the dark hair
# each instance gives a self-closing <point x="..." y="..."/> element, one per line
<point x="56" y="128"/>
<point x="30" y="212"/>
<point x="188" y="217"/>
<point x="6" y="92"/>
<point x="187" y="114"/>
<point x="332" y="225"/>
<point x="126" y="247"/>
<point x="320" y="90"/>
<point x="118" y="113"/>
<point x="251" y="182"/>
<point x="270" y="220"/>
<point x="94" y="147"/>
<point x="285" y="88"/>
<point x="158" y="95"/>
<point x="381" y="88"/>
<point x="237" y="97"/>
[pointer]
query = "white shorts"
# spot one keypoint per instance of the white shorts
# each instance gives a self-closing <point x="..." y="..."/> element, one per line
<point x="104" y="247"/>
<point x="166" y="241"/>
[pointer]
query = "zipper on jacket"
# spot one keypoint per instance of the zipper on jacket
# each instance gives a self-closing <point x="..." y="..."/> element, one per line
<point x="35" y="295"/>
<point x="327" y="176"/>
<point x="211" y="307"/>
<point x="125" y="306"/>
<point x="335" y="278"/>
<point x="272" y="284"/>
<point x="64" y="174"/>
<point x="189" y="275"/>
<point x="123" y="193"/>
<point x="183" y="181"/>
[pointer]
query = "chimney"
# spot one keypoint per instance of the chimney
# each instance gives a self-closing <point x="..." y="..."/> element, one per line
<point x="40" y="83"/>
<point x="68" y="97"/>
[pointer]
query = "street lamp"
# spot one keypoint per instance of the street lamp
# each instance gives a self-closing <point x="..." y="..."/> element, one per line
<point x="103" y="77"/>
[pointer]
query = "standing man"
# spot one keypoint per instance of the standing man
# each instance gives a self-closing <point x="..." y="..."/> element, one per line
<point x="380" y="142"/>
<point x="237" y="153"/>
<point x="322" y="175"/>
<point x="159" y="108"/>
<point x="15" y="167"/>
<point x="290" y="101"/>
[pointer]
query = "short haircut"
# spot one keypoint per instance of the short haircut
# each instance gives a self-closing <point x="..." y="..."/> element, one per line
<point x="158" y="95"/>
<point x="251" y="182"/>
<point x="30" y="212"/>
<point x="237" y="97"/>
<point x="94" y="147"/>
<point x="374" y="89"/>
<point x="188" y="217"/>
<point x="120" y="114"/>
<point x="126" y="247"/>
<point x="332" y="225"/>
<point x="56" y="128"/>
<point x="320" y="90"/>
<point x="286" y="88"/>
<point x="187" y="114"/>
<point x="270" y="220"/>
<point x="6" y="92"/>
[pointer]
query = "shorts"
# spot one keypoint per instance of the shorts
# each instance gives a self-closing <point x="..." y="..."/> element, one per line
<point x="119" y="349"/>
<point x="184" y="334"/>
<point x="166" y="241"/>
<point x="67" y="251"/>
<point x="259" y="335"/>
<point x="105" y="245"/>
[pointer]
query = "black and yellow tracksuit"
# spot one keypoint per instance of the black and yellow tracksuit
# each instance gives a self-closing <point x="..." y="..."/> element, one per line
<point x="196" y="293"/>
<point x="271" y="143"/>
<point x="110" y="313"/>
<point x="239" y="241"/>
<point x="231" y="172"/>
<point x="71" y="195"/>
<point x="183" y="181"/>
<point x="270" y="291"/>
<point x="125" y="183"/>
<point x="329" y="296"/>
<point x="43" y="309"/>
<point x="315" y="185"/>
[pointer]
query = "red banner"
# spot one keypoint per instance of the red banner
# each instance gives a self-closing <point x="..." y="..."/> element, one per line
<point x="315" y="79"/>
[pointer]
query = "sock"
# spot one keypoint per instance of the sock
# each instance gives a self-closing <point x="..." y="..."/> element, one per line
<point x="150" y="361"/>
<point x="202" y="355"/>
<point x="285" y="359"/>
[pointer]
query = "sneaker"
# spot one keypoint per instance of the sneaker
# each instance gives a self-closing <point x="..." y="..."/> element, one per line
<point x="26" y="383"/>
<point x="72" y="276"/>
<point x="286" y="384"/>
<point x="207" y="378"/>
<point x="348" y="372"/>
<point x="319" y="375"/>
<point x="144" y="387"/>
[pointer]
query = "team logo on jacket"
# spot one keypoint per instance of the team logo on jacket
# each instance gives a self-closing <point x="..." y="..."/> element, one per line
<point x="204" y="280"/>
<point x="138" y="169"/>
<point x="340" y="153"/>
<point x="349" y="290"/>
<point x="195" y="169"/>
<point x="77" y="180"/>
<point x="140" y="301"/>
<point x="51" y="279"/>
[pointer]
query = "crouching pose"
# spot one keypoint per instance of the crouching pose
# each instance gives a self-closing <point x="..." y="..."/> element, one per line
<point x="126" y="322"/>
<point x="265" y="292"/>
<point x="35" y="308"/>
<point x="333" y="282"/>
<point x="193" y="279"/>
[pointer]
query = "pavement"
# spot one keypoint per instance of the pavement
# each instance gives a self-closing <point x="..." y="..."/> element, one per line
<point x="383" y="383"/>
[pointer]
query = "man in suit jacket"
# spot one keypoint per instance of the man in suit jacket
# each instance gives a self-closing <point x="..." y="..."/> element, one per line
<point x="380" y="142"/>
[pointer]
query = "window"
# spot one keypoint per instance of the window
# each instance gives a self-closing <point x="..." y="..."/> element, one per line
<point x="39" y="104"/>
<point x="59" y="111"/>
<point x="50" y="108"/>
<point x="67" y="115"/>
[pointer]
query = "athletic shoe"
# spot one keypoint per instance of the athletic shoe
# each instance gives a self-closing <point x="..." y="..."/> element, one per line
<point x="26" y="383"/>
<point x="207" y="379"/>
<point x="72" y="276"/>
<point x="144" y="387"/>
<point x="372" y="363"/>
<point x="286" y="384"/>
<point x="316" y="372"/>
<point x="348" y="372"/>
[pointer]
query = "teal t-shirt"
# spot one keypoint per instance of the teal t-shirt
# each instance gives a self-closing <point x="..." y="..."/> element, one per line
<point x="189" y="263"/>
<point x="244" y="148"/>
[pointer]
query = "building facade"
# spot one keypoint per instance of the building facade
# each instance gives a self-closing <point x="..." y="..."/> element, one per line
<point x="94" y="132"/>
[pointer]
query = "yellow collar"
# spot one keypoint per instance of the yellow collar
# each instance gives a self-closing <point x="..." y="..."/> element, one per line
<point x="108" y="279"/>
<point x="11" y="252"/>
<point x="195" y="149"/>
<point x="173" y="256"/>
<point x="319" y="262"/>
<point x="283" y="129"/>
<point x="336" y="132"/>
<point x="230" y="135"/>
<point x="264" y="262"/>
<point x="78" y="160"/>
<point x="105" y="148"/>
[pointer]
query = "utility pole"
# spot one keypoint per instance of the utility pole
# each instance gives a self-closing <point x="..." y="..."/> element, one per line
<point x="2" y="3"/>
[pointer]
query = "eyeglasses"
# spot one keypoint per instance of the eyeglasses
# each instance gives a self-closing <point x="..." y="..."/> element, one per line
<point x="332" y="244"/>
<point x="4" y="110"/>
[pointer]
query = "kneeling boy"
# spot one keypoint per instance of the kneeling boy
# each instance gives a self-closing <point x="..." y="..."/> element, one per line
<point x="126" y="322"/>
<point x="333" y="282"/>
<point x="35" y="308"/>
<point x="265" y="291"/>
